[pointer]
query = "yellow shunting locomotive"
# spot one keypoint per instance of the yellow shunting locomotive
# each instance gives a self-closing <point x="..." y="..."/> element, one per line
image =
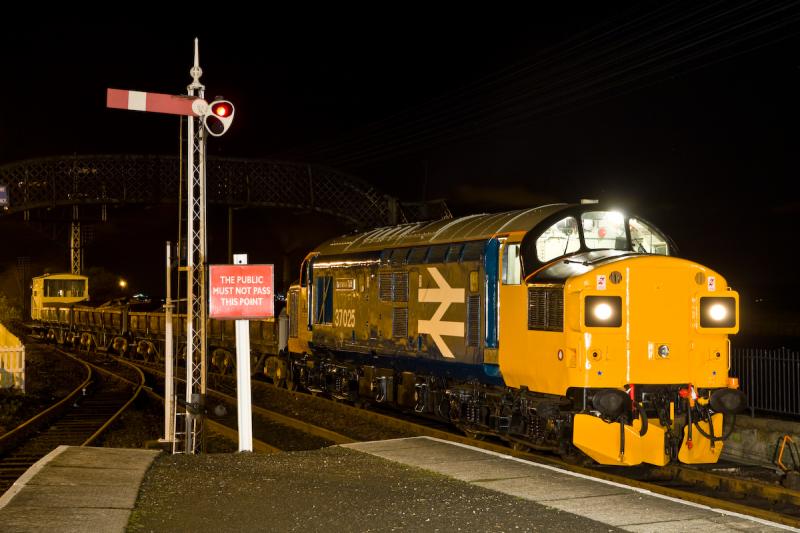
<point x="562" y="327"/>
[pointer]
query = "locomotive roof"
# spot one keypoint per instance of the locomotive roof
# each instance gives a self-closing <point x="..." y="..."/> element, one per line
<point x="468" y="228"/>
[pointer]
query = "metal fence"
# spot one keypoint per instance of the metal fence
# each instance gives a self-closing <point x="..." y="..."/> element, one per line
<point x="770" y="378"/>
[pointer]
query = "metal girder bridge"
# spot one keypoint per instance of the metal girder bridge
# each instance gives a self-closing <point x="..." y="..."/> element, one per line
<point x="130" y="179"/>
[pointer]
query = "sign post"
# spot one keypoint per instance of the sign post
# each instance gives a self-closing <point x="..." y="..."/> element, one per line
<point x="242" y="292"/>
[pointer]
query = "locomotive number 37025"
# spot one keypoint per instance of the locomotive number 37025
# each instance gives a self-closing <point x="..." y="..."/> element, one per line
<point x="345" y="318"/>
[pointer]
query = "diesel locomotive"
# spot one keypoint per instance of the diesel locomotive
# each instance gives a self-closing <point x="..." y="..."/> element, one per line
<point x="567" y="327"/>
<point x="561" y="327"/>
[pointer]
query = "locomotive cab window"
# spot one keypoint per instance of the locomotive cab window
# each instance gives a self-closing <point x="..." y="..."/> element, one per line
<point x="604" y="230"/>
<point x="558" y="240"/>
<point x="512" y="266"/>
<point x="647" y="240"/>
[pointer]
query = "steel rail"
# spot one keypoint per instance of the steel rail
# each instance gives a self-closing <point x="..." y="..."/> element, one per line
<point x="305" y="427"/>
<point x="19" y="431"/>
<point x="122" y="409"/>
<point x="214" y="426"/>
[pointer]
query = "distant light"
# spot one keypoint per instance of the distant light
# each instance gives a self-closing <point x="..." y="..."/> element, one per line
<point x="123" y="284"/>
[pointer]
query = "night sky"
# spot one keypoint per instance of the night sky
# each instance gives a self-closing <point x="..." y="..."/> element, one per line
<point x="683" y="112"/>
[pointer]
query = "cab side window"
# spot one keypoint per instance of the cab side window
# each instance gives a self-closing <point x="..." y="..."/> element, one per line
<point x="647" y="240"/>
<point x="512" y="266"/>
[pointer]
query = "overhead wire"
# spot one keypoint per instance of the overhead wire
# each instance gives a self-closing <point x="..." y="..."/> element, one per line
<point x="575" y="95"/>
<point x="451" y="101"/>
<point x="553" y="87"/>
<point x="563" y="82"/>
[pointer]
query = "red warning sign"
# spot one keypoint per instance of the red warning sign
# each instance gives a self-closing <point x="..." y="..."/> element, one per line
<point x="241" y="292"/>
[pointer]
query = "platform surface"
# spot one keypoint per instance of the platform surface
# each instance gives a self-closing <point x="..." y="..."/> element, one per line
<point x="75" y="489"/>
<point x="606" y="502"/>
<point x="414" y="484"/>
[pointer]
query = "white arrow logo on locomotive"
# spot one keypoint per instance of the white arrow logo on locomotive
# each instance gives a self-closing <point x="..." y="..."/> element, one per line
<point x="444" y="295"/>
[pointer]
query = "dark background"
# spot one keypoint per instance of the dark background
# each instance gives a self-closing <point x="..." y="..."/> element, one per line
<point x="683" y="112"/>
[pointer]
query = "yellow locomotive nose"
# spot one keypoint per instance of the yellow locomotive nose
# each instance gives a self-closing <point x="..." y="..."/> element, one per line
<point x="660" y="324"/>
<point x="657" y="322"/>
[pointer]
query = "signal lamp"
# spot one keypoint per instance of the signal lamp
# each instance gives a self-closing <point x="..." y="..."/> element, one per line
<point x="219" y="117"/>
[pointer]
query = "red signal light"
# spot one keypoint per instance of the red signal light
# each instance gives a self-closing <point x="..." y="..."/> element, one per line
<point x="221" y="109"/>
<point x="219" y="117"/>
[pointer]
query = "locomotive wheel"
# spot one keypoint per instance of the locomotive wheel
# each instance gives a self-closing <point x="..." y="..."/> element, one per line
<point x="146" y="351"/>
<point x="86" y="342"/>
<point x="120" y="346"/>
<point x="223" y="360"/>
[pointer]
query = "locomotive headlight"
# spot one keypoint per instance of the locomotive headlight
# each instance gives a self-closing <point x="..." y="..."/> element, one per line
<point x="717" y="312"/>
<point x="603" y="311"/>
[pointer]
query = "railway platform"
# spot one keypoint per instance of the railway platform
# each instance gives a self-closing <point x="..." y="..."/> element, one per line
<point x="76" y="489"/>
<point x="413" y="484"/>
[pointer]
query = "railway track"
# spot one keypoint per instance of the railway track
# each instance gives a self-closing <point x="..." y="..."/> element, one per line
<point x="272" y="431"/>
<point x="77" y="420"/>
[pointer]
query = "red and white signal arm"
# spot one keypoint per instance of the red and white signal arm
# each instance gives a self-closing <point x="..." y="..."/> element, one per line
<point x="241" y="292"/>
<point x="191" y="106"/>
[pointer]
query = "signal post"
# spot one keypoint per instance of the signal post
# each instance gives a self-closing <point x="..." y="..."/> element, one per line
<point x="214" y="118"/>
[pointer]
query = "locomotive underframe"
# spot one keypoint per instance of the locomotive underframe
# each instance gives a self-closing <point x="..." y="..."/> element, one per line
<point x="525" y="419"/>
